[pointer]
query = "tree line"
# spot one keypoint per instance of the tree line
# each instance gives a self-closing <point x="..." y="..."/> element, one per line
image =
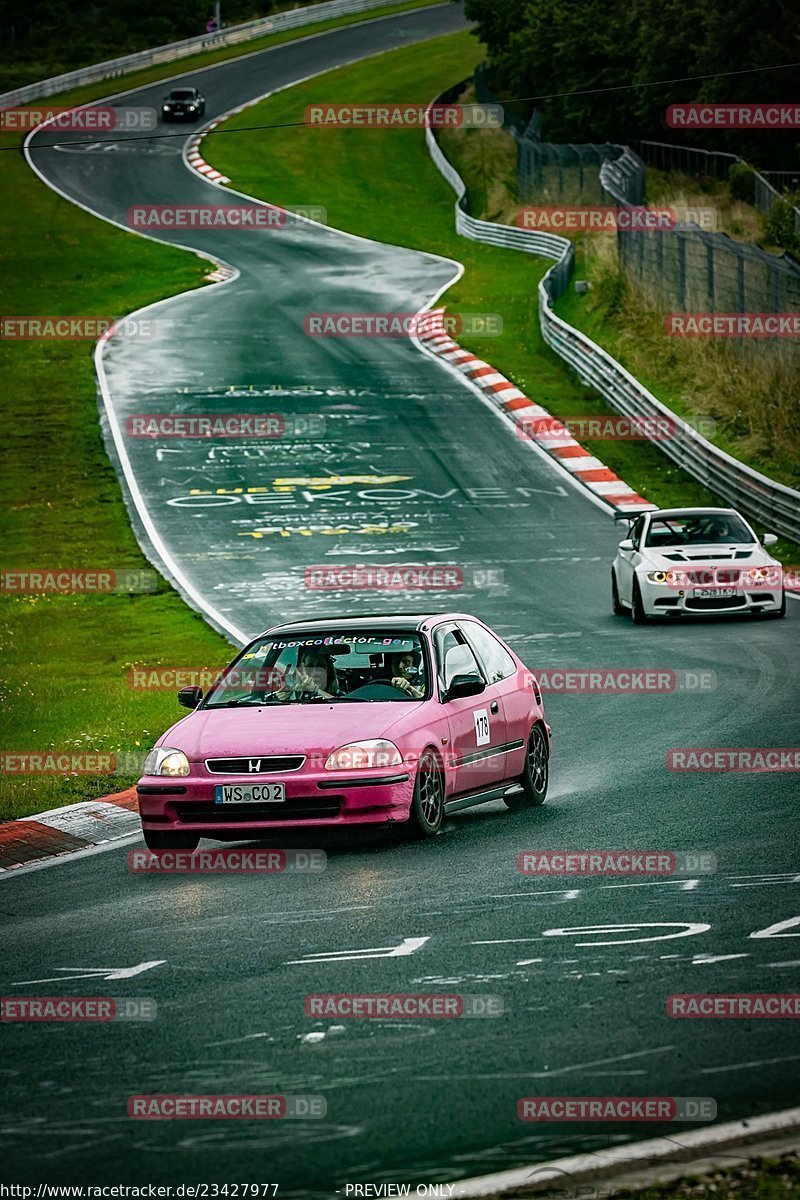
<point x="616" y="53"/>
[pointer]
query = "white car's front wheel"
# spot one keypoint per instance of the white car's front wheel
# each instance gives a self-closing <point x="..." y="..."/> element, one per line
<point x="639" y="615"/>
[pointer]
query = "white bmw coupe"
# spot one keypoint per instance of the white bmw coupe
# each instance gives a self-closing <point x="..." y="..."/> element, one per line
<point x="695" y="562"/>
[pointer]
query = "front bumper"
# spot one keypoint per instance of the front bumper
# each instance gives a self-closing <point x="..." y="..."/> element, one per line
<point x="313" y="797"/>
<point x="664" y="600"/>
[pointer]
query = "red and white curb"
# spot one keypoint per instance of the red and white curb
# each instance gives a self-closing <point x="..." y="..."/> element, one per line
<point x="554" y="438"/>
<point x="63" y="831"/>
<point x="196" y="160"/>
<point x="193" y="156"/>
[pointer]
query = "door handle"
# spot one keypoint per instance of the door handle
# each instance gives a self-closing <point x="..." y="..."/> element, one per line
<point x="493" y="706"/>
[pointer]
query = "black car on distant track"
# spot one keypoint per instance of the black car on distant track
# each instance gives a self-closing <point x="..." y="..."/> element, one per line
<point x="183" y="104"/>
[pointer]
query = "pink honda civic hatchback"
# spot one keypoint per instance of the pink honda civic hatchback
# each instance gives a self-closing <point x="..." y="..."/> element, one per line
<point x="383" y="719"/>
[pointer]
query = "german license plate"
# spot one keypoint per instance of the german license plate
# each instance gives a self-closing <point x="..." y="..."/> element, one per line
<point x="713" y="593"/>
<point x="249" y="793"/>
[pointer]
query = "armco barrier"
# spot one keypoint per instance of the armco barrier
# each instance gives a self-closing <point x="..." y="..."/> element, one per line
<point x="772" y="504"/>
<point x="176" y="50"/>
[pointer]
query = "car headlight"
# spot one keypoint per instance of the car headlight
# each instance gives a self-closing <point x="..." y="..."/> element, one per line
<point x="192" y="107"/>
<point x="375" y="752"/>
<point x="166" y="761"/>
<point x="166" y="108"/>
<point x="758" y="574"/>
<point x="670" y="577"/>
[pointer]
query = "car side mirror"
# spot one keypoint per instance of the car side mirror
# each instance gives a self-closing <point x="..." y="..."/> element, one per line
<point x="627" y="544"/>
<point x="769" y="539"/>
<point x="190" y="697"/>
<point x="465" y="685"/>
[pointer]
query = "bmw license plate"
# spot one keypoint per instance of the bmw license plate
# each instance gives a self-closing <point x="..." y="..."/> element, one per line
<point x="713" y="593"/>
<point x="249" y="793"/>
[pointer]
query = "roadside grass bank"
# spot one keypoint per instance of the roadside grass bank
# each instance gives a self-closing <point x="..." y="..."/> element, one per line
<point x="768" y="1179"/>
<point x="381" y="184"/>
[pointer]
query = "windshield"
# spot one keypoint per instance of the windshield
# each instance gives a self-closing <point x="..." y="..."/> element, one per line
<point x="325" y="668"/>
<point x="698" y="529"/>
<point x="182" y="94"/>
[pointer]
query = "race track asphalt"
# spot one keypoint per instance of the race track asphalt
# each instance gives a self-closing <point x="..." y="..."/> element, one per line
<point x="583" y="966"/>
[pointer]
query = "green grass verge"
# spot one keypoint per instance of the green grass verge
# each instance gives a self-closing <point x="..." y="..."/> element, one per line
<point x="67" y="657"/>
<point x="383" y="185"/>
<point x="769" y="1179"/>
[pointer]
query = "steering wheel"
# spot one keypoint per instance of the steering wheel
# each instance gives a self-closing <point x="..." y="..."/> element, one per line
<point x="376" y="683"/>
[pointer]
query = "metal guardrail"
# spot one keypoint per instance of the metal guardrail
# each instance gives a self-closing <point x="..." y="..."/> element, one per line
<point x="174" y="51"/>
<point x="772" y="504"/>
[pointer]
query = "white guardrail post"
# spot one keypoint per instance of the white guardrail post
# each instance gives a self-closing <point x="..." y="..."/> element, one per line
<point x="195" y="45"/>
<point x="772" y="504"/>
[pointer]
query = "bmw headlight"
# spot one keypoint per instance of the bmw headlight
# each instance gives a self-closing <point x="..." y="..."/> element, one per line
<point x="166" y="108"/>
<point x="166" y="761"/>
<point x="758" y="575"/>
<point x="375" y="752"/>
<point x="670" y="577"/>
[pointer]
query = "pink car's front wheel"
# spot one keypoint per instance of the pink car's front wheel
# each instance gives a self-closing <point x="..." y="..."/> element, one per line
<point x="427" y="805"/>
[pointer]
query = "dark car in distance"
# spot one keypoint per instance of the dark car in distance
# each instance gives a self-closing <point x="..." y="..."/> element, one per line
<point x="183" y="104"/>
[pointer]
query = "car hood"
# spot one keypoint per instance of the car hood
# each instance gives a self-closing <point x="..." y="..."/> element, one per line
<point x="711" y="555"/>
<point x="288" y="729"/>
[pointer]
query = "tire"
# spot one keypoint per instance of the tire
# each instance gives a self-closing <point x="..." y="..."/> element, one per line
<point x="157" y="839"/>
<point x="616" y="606"/>
<point x="427" y="805"/>
<point x="536" y="775"/>
<point x="776" y="616"/>
<point x="639" y="615"/>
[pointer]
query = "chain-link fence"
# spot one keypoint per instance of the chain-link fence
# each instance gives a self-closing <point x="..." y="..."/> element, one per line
<point x="686" y="268"/>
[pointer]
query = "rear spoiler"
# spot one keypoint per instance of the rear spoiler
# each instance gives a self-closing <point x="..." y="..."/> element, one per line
<point x="629" y="517"/>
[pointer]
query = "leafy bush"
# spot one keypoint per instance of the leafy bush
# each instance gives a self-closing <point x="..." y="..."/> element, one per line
<point x="742" y="182"/>
<point x="779" y="224"/>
